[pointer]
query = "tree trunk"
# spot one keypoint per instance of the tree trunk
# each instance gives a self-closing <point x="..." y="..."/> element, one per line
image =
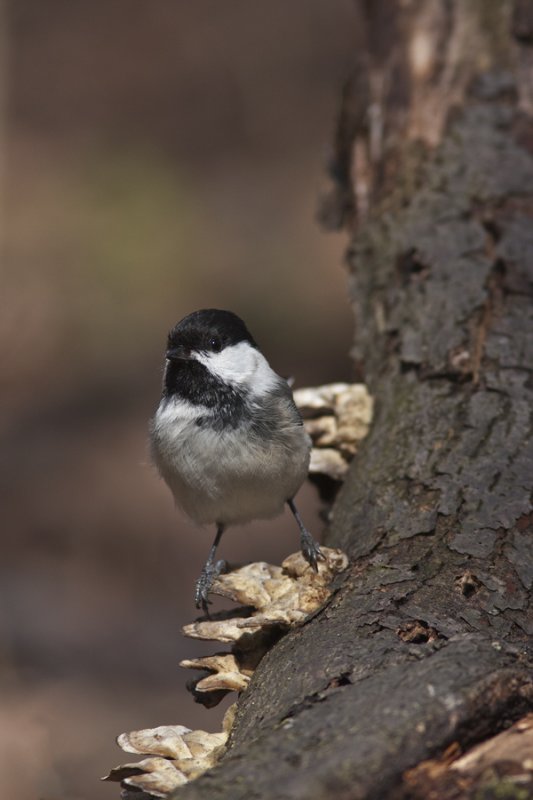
<point x="425" y="643"/>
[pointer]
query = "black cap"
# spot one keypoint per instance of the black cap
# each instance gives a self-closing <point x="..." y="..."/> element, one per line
<point x="209" y="329"/>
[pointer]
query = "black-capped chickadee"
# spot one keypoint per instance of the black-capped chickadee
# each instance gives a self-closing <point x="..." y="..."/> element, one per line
<point x="227" y="437"/>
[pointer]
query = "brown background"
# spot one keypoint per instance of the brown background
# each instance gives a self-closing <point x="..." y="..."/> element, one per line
<point x="158" y="157"/>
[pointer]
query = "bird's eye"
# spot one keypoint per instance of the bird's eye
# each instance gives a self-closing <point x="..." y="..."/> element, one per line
<point x="215" y="345"/>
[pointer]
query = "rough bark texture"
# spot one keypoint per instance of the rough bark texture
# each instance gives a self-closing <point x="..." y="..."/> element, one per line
<point x="427" y="639"/>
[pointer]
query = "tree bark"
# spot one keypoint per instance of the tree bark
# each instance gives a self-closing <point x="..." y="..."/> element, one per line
<point x="426" y="641"/>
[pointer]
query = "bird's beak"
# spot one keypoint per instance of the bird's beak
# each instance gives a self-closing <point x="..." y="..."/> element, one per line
<point x="178" y="353"/>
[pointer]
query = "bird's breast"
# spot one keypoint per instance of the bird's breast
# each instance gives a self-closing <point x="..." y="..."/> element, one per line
<point x="228" y="475"/>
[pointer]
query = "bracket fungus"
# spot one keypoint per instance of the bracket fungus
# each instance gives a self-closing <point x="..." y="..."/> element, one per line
<point x="275" y="599"/>
<point x="337" y="417"/>
<point x="174" y="756"/>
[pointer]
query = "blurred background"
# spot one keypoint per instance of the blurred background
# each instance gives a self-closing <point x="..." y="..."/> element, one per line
<point x="156" y="157"/>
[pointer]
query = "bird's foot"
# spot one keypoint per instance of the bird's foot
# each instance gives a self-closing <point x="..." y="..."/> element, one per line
<point x="204" y="583"/>
<point x="310" y="550"/>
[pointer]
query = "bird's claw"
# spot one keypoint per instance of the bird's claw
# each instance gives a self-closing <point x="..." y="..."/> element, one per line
<point x="204" y="583"/>
<point x="311" y="551"/>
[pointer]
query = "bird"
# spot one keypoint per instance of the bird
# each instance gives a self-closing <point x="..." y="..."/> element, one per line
<point x="227" y="437"/>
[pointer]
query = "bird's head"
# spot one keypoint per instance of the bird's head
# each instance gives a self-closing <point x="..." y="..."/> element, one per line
<point x="215" y="345"/>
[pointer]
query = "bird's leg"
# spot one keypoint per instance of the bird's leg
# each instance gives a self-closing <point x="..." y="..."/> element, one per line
<point x="211" y="570"/>
<point x="310" y="549"/>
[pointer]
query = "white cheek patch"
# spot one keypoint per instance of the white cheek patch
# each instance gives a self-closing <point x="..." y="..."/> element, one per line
<point x="241" y="365"/>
